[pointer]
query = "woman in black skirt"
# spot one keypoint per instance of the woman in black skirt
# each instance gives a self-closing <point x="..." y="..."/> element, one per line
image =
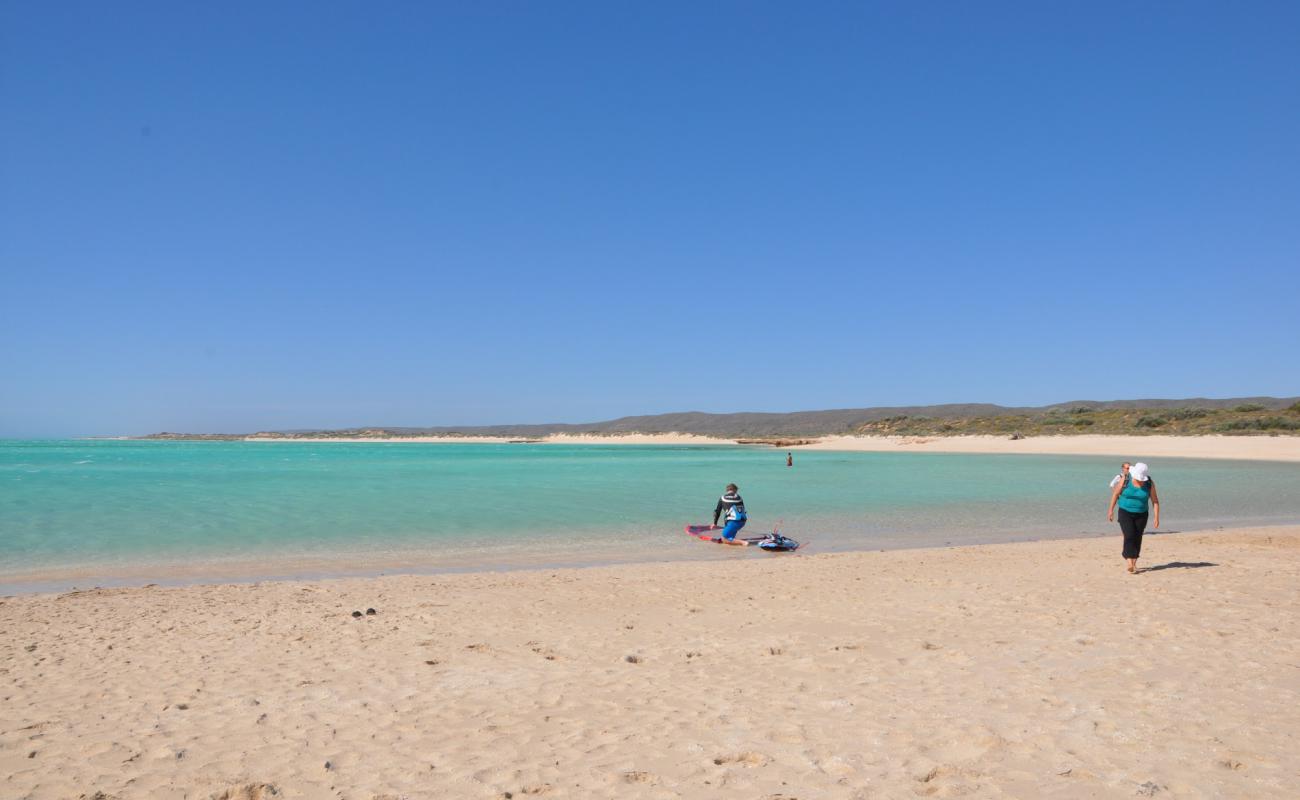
<point x="1135" y="497"/>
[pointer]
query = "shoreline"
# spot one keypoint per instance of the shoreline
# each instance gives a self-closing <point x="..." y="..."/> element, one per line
<point x="1243" y="448"/>
<point x="526" y="559"/>
<point x="554" y="438"/>
<point x="1027" y="669"/>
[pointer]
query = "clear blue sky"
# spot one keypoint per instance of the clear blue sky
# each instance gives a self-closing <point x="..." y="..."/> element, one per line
<point x="237" y="216"/>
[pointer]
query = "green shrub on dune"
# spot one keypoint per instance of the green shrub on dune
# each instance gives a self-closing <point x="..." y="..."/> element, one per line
<point x="1259" y="424"/>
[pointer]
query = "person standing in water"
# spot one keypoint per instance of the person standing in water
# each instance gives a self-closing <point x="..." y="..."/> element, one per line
<point x="1135" y="498"/>
<point x="731" y="507"/>
<point x="789" y="460"/>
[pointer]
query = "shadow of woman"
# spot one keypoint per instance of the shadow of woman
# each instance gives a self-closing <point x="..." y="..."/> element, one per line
<point x="1179" y="565"/>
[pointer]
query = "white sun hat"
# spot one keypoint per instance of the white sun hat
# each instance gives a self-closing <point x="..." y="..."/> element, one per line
<point x="1139" y="472"/>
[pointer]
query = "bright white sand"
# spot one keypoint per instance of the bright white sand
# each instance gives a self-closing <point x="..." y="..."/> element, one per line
<point x="1257" y="448"/>
<point x="554" y="438"/>
<point x="635" y="438"/>
<point x="1025" y="670"/>
<point x="415" y="439"/>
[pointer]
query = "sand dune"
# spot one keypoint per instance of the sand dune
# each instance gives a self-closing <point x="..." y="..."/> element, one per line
<point x="1026" y="670"/>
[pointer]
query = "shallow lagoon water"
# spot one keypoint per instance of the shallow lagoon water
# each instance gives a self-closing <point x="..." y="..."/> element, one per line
<point x="94" y="510"/>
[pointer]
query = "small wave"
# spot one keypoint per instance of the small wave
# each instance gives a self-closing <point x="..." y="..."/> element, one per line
<point x="87" y="461"/>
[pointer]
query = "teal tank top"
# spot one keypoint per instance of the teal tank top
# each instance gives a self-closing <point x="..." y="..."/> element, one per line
<point x="1135" y="499"/>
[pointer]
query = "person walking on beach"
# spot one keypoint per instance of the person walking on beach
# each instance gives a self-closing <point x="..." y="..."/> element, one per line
<point x="1135" y="499"/>
<point x="731" y="507"/>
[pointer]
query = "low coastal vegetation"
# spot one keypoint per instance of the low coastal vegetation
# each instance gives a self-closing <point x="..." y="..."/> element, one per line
<point x="1242" y="419"/>
<point x="1199" y="416"/>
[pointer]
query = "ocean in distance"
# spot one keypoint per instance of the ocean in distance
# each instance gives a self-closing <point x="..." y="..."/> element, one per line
<point x="100" y="512"/>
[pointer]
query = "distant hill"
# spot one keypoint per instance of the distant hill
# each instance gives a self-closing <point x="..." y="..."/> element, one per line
<point x="1193" y="415"/>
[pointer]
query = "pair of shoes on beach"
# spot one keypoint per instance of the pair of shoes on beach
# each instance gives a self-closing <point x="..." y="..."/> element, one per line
<point x="370" y="612"/>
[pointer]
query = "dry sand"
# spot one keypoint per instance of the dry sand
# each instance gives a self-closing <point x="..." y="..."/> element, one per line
<point x="1255" y="448"/>
<point x="554" y="438"/>
<point x="1025" y="670"/>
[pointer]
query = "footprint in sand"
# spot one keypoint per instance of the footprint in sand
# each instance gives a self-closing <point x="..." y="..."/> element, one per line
<point x="536" y="789"/>
<point x="639" y="777"/>
<point x="247" y="791"/>
<point x="746" y="759"/>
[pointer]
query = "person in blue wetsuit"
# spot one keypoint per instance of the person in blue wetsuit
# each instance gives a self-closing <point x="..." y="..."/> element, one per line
<point x="1135" y="498"/>
<point x="731" y="508"/>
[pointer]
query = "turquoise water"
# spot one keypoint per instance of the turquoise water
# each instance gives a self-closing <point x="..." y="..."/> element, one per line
<point x="103" y="508"/>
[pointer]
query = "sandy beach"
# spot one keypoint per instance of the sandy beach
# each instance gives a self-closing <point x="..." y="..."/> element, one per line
<point x="474" y="401"/>
<point x="1251" y="448"/>
<point x="555" y="438"/>
<point x="1254" y="448"/>
<point x="1024" y="670"/>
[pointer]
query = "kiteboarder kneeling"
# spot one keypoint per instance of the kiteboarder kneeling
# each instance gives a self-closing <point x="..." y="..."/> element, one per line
<point x="731" y="507"/>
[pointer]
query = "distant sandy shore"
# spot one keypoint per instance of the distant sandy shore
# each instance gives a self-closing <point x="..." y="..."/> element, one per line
<point x="555" y="438"/>
<point x="1256" y="448"/>
<point x="1026" y="670"/>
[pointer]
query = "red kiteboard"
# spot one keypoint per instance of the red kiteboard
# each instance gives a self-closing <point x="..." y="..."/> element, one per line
<point x="704" y="532"/>
<point x="772" y="543"/>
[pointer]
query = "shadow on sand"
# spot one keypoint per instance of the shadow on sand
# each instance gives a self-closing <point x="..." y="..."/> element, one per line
<point x="1178" y="565"/>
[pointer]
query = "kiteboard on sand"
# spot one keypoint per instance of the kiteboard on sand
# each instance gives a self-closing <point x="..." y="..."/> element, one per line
<point x="773" y="542"/>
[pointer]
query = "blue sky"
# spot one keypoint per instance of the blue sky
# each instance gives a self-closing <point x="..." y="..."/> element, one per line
<point x="244" y="216"/>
